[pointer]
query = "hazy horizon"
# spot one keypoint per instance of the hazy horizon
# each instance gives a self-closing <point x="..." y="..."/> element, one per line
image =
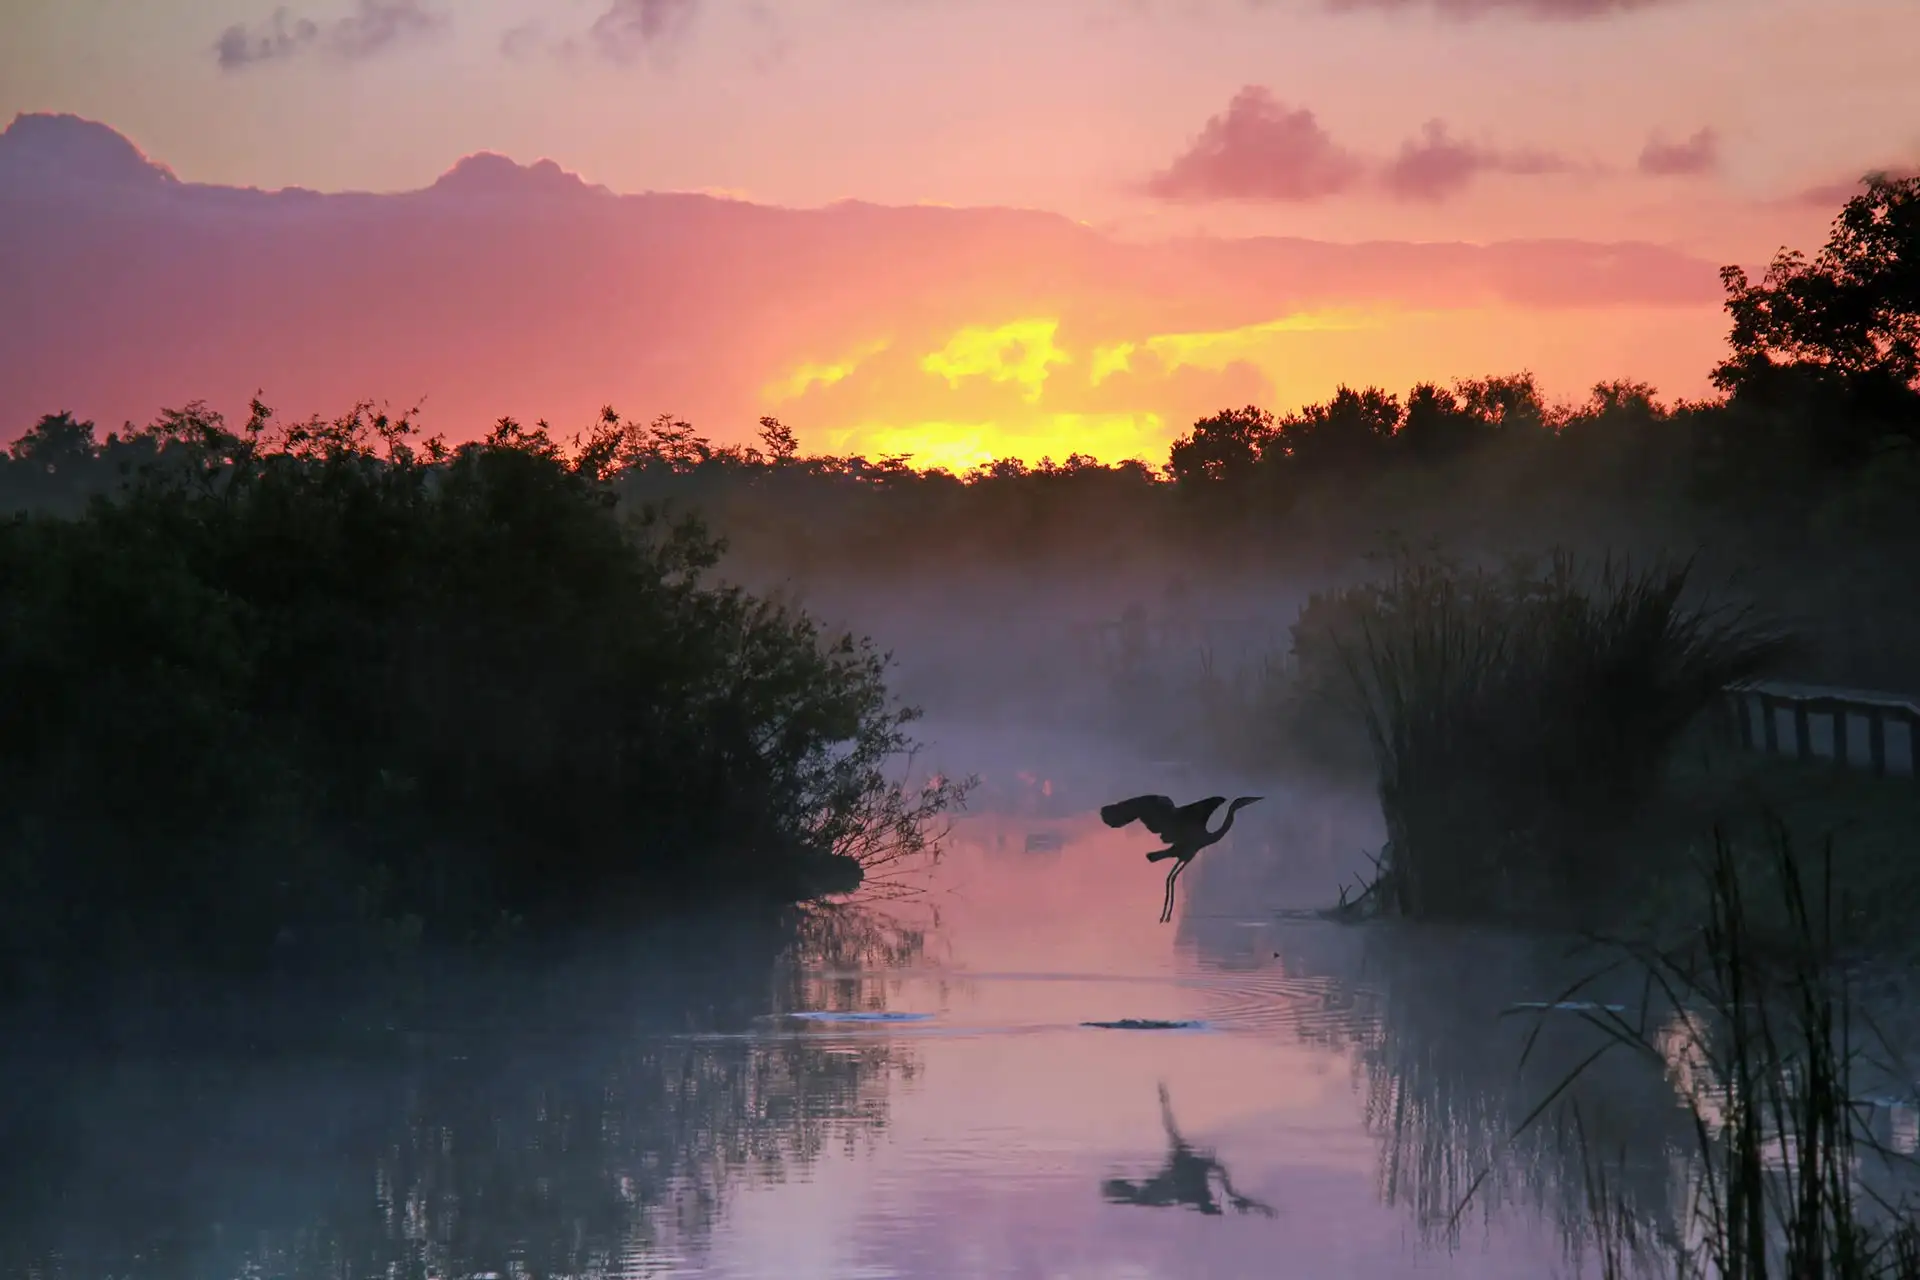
<point x="1078" y="232"/>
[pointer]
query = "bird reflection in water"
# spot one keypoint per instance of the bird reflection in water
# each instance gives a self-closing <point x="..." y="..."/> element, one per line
<point x="1186" y="1178"/>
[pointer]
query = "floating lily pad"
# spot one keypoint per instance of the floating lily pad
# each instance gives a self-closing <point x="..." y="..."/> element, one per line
<point x="1568" y="1006"/>
<point x="828" y="1016"/>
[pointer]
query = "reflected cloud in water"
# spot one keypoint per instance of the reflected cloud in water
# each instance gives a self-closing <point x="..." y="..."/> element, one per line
<point x="651" y="1110"/>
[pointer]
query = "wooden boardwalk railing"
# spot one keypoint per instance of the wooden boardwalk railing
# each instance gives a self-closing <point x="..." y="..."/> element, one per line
<point x="1859" y="728"/>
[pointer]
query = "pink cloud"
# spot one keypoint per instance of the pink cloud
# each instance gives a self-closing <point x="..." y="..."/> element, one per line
<point x="1261" y="149"/>
<point x="629" y="26"/>
<point x="624" y="32"/>
<point x="1697" y="154"/>
<point x="520" y="289"/>
<point x="1437" y="166"/>
<point x="1550" y="10"/>
<point x="48" y="148"/>
<point x="1840" y="191"/>
<point x="488" y="173"/>
<point x="1258" y="149"/>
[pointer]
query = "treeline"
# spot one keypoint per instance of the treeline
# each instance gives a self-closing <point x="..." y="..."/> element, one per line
<point x="1814" y="435"/>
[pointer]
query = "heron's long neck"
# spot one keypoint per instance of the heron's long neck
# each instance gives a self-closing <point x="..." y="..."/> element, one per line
<point x="1226" y="826"/>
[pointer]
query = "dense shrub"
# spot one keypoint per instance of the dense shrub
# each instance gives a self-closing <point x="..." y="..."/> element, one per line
<point x="287" y="678"/>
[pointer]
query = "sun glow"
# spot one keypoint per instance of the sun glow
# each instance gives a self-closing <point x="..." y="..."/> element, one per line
<point x="1117" y="358"/>
<point x="1020" y="352"/>
<point x="795" y="384"/>
<point x="1217" y="348"/>
<point x="1048" y="414"/>
<point x="1041" y="385"/>
<point x="960" y="447"/>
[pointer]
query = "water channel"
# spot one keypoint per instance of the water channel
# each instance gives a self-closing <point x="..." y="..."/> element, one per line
<point x="914" y="1092"/>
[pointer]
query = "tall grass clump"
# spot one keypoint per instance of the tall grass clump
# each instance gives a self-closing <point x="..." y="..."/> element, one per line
<point x="1768" y="1052"/>
<point x="1520" y="718"/>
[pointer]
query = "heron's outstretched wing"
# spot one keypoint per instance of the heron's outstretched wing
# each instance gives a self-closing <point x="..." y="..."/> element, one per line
<point x="1195" y="816"/>
<point x="1155" y="813"/>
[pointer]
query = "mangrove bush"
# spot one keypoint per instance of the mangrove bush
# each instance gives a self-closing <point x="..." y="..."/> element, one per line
<point x="285" y="682"/>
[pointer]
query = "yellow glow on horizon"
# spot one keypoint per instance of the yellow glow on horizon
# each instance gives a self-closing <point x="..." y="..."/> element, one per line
<point x="795" y="384"/>
<point x="1110" y="360"/>
<point x="1020" y="352"/>
<point x="961" y="446"/>
<point x="996" y="391"/>
<point x="1218" y="348"/>
<point x="1024" y="352"/>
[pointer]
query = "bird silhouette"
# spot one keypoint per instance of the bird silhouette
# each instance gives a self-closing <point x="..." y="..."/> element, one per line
<point x="1183" y="828"/>
<point x="1186" y="1178"/>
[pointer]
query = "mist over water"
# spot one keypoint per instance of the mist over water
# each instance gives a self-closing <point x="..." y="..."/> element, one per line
<point x="1319" y="1105"/>
<point x="652" y="1109"/>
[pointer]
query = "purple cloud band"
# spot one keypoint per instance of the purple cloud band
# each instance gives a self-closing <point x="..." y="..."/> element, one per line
<point x="1261" y="148"/>
<point x="372" y="27"/>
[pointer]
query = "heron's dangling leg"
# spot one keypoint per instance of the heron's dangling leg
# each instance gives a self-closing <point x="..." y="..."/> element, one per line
<point x="1166" y="910"/>
<point x="1166" y="1117"/>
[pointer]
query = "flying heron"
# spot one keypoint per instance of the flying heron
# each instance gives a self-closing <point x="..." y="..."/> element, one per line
<point x="1183" y="828"/>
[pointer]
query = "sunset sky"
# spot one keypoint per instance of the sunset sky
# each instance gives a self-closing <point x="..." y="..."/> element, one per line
<point x="1709" y="130"/>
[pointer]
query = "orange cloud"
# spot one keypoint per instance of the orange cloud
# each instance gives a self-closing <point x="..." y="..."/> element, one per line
<point x="795" y="384"/>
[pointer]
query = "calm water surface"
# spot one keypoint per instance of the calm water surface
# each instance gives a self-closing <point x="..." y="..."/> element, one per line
<point x="665" y="1114"/>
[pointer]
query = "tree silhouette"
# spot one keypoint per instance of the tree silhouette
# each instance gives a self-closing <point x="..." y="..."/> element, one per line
<point x="1223" y="447"/>
<point x="57" y="440"/>
<point x="1347" y="435"/>
<point x="1854" y="309"/>
<point x="1834" y="341"/>
<point x="777" y="438"/>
